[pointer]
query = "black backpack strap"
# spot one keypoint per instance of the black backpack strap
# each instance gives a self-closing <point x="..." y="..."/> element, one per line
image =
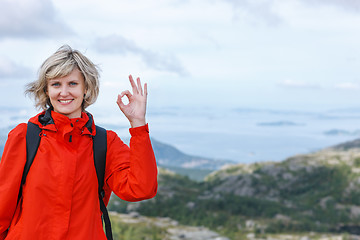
<point x="100" y="148"/>
<point x="32" y="144"/>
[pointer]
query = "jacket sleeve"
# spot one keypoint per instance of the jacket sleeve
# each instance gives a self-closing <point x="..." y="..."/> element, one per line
<point x="131" y="173"/>
<point x="11" y="170"/>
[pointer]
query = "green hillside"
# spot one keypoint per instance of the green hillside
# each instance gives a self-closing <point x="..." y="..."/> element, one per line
<point x="317" y="192"/>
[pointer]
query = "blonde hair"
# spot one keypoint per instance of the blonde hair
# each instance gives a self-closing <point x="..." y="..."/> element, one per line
<point x="58" y="65"/>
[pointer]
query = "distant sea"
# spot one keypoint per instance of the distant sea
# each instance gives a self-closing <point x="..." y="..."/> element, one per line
<point x="243" y="135"/>
<point x="252" y="135"/>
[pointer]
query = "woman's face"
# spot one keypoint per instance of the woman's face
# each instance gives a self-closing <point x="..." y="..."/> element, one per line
<point x="67" y="94"/>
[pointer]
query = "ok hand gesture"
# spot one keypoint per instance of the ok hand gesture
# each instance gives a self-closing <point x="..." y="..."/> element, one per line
<point x="136" y="108"/>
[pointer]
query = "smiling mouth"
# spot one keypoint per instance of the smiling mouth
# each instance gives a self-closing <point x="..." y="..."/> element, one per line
<point x="65" y="101"/>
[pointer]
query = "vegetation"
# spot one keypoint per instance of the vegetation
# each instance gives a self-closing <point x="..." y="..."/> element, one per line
<point x="140" y="231"/>
<point x="281" y="197"/>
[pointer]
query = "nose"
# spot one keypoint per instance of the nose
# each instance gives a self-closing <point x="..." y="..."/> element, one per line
<point x="64" y="90"/>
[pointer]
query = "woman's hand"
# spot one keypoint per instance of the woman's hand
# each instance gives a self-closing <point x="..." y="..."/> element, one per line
<point x="136" y="108"/>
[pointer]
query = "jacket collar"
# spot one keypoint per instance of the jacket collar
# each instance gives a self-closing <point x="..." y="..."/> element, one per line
<point x="45" y="118"/>
<point x="45" y="121"/>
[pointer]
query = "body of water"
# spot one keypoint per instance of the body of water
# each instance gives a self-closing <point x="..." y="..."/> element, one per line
<point x="249" y="135"/>
<point x="241" y="135"/>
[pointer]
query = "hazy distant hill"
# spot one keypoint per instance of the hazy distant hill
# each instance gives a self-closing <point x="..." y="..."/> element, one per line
<point x="338" y="132"/>
<point x="168" y="156"/>
<point x="348" y="145"/>
<point x="318" y="192"/>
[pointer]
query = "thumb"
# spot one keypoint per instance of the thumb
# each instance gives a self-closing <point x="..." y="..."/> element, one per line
<point x="119" y="101"/>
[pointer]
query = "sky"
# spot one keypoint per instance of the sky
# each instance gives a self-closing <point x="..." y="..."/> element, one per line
<point x="278" y="54"/>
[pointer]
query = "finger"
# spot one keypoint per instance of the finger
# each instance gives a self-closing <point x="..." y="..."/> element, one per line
<point x="145" y="89"/>
<point x="120" y="96"/>
<point x="126" y="93"/>
<point x="133" y="85"/>
<point x="139" y="86"/>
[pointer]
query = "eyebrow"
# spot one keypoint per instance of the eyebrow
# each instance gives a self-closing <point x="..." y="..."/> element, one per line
<point x="71" y="80"/>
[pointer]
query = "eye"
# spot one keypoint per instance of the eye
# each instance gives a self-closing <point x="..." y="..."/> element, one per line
<point x="55" y="84"/>
<point x="73" y="83"/>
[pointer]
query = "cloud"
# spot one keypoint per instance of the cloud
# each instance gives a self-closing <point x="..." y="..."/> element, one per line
<point x="10" y="69"/>
<point x="348" y="86"/>
<point x="30" y="18"/>
<point x="352" y="5"/>
<point x="255" y="11"/>
<point x="116" y="44"/>
<point x="297" y="84"/>
<point x="267" y="11"/>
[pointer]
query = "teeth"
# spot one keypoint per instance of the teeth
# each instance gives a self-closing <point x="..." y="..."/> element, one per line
<point x="64" y="101"/>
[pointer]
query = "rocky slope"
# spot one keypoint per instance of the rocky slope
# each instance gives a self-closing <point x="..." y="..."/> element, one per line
<point x="161" y="228"/>
<point x="124" y="226"/>
<point x="321" y="188"/>
<point x="318" y="192"/>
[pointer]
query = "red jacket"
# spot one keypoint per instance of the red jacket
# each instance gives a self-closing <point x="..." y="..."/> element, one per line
<point x="60" y="196"/>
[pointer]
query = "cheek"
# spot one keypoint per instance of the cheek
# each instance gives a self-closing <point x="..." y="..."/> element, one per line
<point x="50" y="93"/>
<point x="81" y="94"/>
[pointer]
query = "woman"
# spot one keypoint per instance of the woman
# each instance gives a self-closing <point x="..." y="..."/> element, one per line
<point x="60" y="196"/>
